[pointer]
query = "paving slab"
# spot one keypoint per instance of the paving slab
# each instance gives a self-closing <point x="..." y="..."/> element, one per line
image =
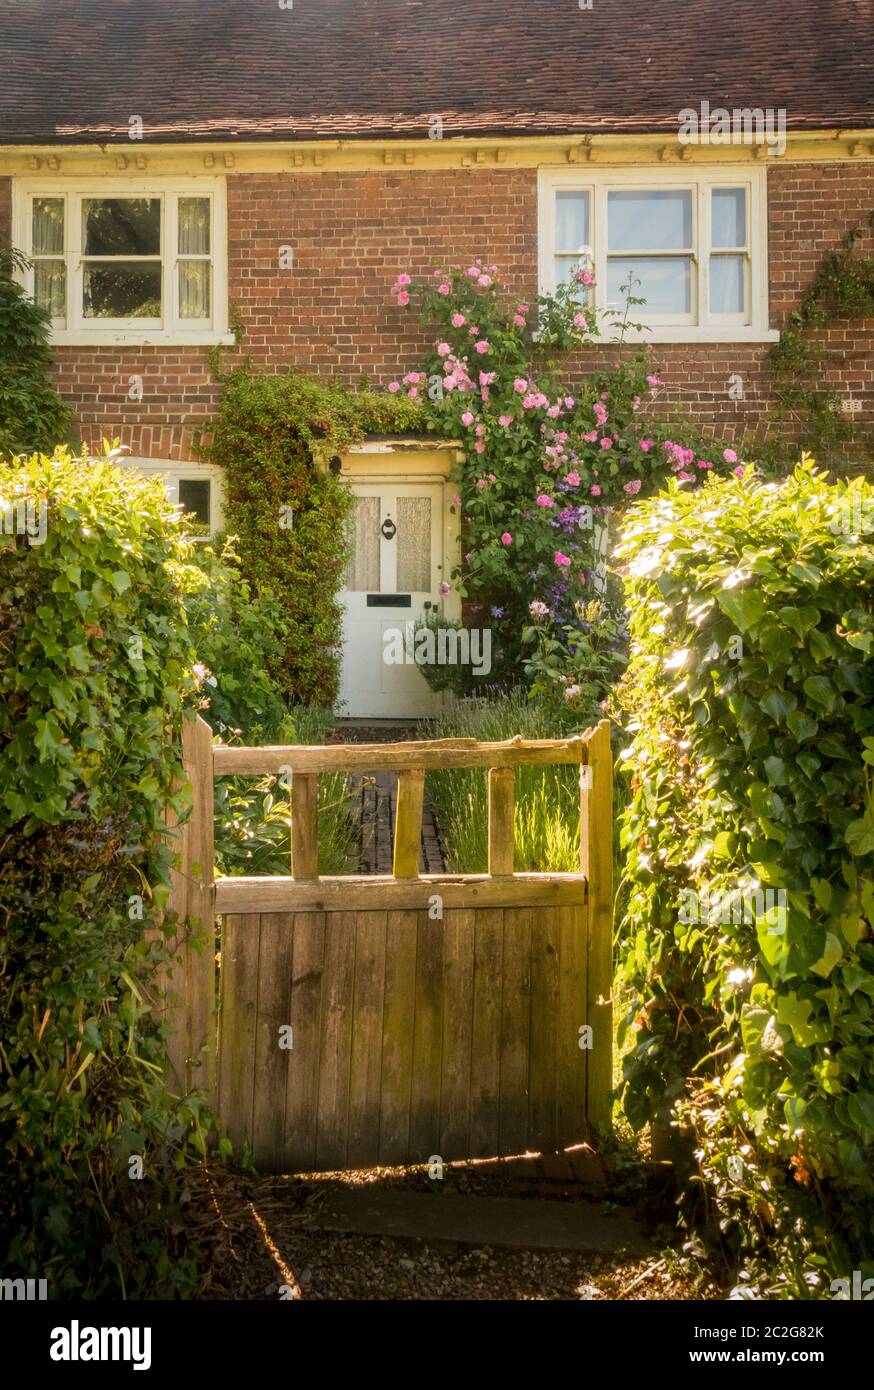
<point x="519" y="1223"/>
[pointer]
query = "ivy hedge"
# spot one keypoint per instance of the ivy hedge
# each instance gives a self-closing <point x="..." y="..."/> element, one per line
<point x="32" y="414"/>
<point x="274" y="437"/>
<point x="94" y="671"/>
<point x="746" y="968"/>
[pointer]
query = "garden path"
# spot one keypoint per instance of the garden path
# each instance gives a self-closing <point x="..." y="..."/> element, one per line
<point x="375" y="795"/>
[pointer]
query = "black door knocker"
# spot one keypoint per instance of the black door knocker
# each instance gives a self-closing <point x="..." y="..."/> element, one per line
<point x="389" y="530"/>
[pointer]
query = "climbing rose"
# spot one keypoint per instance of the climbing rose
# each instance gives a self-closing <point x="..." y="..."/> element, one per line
<point x="404" y="280"/>
<point x="484" y="281"/>
<point x="595" y="490"/>
<point x="505" y="420"/>
<point x="458" y="320"/>
<point x="573" y="478"/>
<point x="467" y="418"/>
<point x="655" y="381"/>
<point x="572" y="692"/>
<point x="456" y="501"/>
<point x="519" y="320"/>
<point x="544" y="501"/>
<point x="739" y="471"/>
<point x="606" y="443"/>
<point x="561" y="559"/>
<point x="403" y="298"/>
<point x="442" y="289"/>
<point x="520" y="386"/>
<point x="506" y="538"/>
<point x="729" y="455"/>
<point x="480" y="447"/>
<point x="579" y="320"/>
<point x="443" y="349"/>
<point x="538" y="609"/>
<point x="633" y="487"/>
<point x="394" y="386"/>
<point x="474" y="272"/>
<point x="483" y="345"/>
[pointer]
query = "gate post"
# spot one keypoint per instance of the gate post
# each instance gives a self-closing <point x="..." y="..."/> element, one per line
<point x="189" y="982"/>
<point x="596" y="862"/>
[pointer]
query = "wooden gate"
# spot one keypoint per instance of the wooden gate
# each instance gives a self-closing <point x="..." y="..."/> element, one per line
<point x="386" y="1020"/>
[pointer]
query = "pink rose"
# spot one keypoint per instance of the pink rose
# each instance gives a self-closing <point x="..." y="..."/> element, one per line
<point x="443" y="349"/>
<point x="506" y="538"/>
<point x="458" y="320"/>
<point x="404" y="280"/>
<point x="595" y="490"/>
<point x="443" y="289"/>
<point x="474" y="272"/>
<point x="579" y="320"/>
<point x="456" y="501"/>
<point x="394" y="386"/>
<point x="484" y="281"/>
<point x="480" y="447"/>
<point x="467" y="418"/>
<point x="654" y="381"/>
<point x="633" y="487"/>
<point x="561" y="559"/>
<point x="413" y="392"/>
<point x="686" y="477"/>
<point x="544" y="501"/>
<point x="505" y="420"/>
<point x="729" y="455"/>
<point x="483" y="345"/>
<point x="591" y="436"/>
<point x="521" y="308"/>
<point x="606" y="443"/>
<point x="443" y="588"/>
<point x="519" y="320"/>
<point x="646" y="445"/>
<point x="520" y="385"/>
<point x="569" y="402"/>
<point x="403" y="298"/>
<point x="573" y="478"/>
<point x="739" y="471"/>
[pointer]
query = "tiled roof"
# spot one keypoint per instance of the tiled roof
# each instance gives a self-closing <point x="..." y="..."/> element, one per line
<point x="77" y="70"/>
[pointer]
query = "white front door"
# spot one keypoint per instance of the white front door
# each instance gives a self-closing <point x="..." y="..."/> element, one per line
<point x="392" y="579"/>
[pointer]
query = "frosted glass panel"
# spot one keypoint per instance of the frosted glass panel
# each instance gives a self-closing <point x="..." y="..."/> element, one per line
<point x="727" y="284"/>
<point x="50" y="287"/>
<point x="413" y="541"/>
<point x="362" y="572"/>
<point x="571" y="221"/>
<point x="650" y="220"/>
<point x="729" y="217"/>
<point x="665" y="283"/>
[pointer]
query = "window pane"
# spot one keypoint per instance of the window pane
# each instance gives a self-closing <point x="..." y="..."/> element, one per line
<point x="122" y="290"/>
<point x="50" y="287"/>
<point x="362" y="572"/>
<point x="48" y="226"/>
<point x="729" y="217"/>
<point x="194" y="226"/>
<point x="566" y="268"/>
<point x="194" y="289"/>
<point x="194" y="497"/>
<point x="650" y="220"/>
<point x="121" y="226"/>
<point x="413" y="541"/>
<point x="571" y="220"/>
<point x="727" y="284"/>
<point x="665" y="283"/>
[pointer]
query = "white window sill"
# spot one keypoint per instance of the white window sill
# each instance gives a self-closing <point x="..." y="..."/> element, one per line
<point x="684" y="334"/>
<point x="62" y="338"/>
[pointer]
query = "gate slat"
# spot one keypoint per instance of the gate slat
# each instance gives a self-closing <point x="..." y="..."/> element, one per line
<point x="271" y="1061"/>
<point x="302" y="1092"/>
<point x="336" y="1041"/>
<point x="571" y="1068"/>
<point x="240" y="951"/>
<point x="544" y="1020"/>
<point x="366" y="1069"/>
<point x="515" y="1022"/>
<point x="485" y="1076"/>
<point x="398" y="1021"/>
<point x="458" y="944"/>
<point x="427" y="1040"/>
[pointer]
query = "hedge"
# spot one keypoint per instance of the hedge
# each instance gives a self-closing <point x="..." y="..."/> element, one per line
<point x="93" y="676"/>
<point x="746" y="969"/>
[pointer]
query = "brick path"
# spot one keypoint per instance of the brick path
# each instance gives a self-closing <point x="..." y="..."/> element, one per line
<point x="376" y="796"/>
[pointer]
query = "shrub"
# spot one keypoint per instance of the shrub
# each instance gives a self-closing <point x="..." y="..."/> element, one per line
<point x="32" y="414"/>
<point x="93" y="678"/>
<point x="750" y="695"/>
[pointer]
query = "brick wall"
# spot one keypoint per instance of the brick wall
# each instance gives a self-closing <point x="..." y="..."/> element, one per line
<point x="352" y="232"/>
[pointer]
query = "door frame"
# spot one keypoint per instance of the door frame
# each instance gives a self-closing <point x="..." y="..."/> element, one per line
<point x="390" y="461"/>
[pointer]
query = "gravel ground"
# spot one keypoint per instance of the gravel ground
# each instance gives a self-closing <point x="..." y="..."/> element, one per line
<point x="258" y="1244"/>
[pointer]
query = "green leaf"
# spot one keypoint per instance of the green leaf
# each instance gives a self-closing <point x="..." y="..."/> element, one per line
<point x="859" y="835"/>
<point x="745" y="607"/>
<point x="802" y="726"/>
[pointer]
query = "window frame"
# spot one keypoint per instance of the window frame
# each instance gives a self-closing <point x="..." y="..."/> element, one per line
<point x="172" y="329"/>
<point x="701" y="325"/>
<point x="174" y="471"/>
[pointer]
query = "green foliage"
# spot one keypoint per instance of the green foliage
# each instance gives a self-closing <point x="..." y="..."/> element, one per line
<point x="93" y="678"/>
<point x="547" y="819"/>
<point x="841" y="290"/>
<point x="274" y="437"/>
<point x="32" y="414"/>
<point x="750" y="701"/>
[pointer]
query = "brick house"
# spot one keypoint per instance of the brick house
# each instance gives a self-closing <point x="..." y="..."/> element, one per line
<point x="171" y="168"/>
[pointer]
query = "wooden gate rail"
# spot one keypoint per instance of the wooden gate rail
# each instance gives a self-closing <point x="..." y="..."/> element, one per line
<point x="248" y="900"/>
